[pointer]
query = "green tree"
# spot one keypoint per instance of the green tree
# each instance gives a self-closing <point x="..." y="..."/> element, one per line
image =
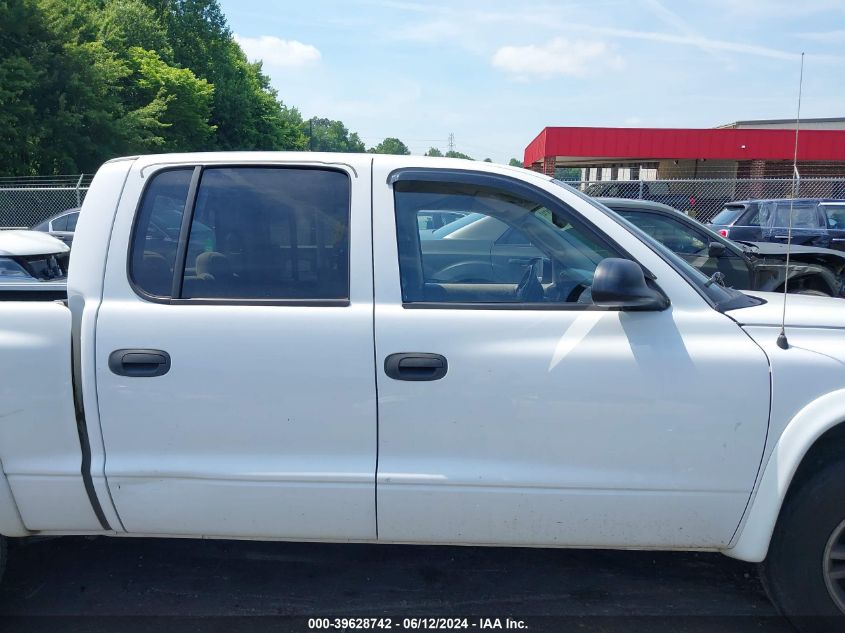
<point x="23" y="65"/>
<point x="179" y="102"/>
<point x="568" y="173"/>
<point x="488" y="160"/>
<point x="454" y="154"/>
<point x="82" y="81"/>
<point x="325" y="135"/>
<point x="77" y="102"/>
<point x="124" y="24"/>
<point x="433" y="151"/>
<point x="390" y="145"/>
<point x="246" y="112"/>
<point x="515" y="162"/>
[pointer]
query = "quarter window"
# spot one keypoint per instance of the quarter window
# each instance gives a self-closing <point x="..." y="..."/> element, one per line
<point x="153" y="255"/>
<point x="506" y="250"/>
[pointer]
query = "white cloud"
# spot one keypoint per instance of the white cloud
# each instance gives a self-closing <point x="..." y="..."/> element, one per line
<point x="560" y="56"/>
<point x="279" y="53"/>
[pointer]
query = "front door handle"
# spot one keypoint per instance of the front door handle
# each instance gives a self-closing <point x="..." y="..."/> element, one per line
<point x="139" y="363"/>
<point x="415" y="366"/>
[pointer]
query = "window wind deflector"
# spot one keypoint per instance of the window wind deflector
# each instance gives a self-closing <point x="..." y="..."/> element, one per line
<point x="462" y="176"/>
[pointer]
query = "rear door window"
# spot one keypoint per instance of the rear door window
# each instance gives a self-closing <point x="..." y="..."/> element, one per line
<point x="804" y="216"/>
<point x="256" y="233"/>
<point x="269" y="233"/>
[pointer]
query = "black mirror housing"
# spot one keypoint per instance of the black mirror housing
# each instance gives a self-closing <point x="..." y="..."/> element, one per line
<point x="716" y="249"/>
<point x="620" y="284"/>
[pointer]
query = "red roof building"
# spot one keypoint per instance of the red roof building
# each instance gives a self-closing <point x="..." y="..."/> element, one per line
<point x="745" y="149"/>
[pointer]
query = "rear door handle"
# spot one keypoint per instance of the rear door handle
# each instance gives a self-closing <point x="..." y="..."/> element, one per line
<point x="139" y="363"/>
<point x="415" y="366"/>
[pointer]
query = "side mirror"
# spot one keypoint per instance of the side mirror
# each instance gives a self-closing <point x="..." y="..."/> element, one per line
<point x="716" y="249"/>
<point x="620" y="284"/>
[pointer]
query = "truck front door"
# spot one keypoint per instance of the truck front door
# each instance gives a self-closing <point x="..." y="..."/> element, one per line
<point x="517" y="413"/>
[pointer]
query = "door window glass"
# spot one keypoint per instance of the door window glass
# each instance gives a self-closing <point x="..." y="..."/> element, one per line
<point x="153" y="251"/>
<point x="670" y="232"/>
<point x="506" y="249"/>
<point x="269" y="233"/>
<point x="804" y="216"/>
<point x="835" y="216"/>
<point x="71" y="221"/>
<point x="59" y="224"/>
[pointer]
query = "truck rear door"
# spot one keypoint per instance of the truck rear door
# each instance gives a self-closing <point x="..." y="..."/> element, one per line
<point x="235" y="351"/>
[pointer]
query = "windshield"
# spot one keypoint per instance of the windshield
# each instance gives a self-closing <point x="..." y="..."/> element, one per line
<point x="728" y="215"/>
<point x="721" y="297"/>
<point x="10" y="269"/>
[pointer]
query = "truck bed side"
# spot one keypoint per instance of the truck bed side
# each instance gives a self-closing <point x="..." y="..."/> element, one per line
<point x="39" y="441"/>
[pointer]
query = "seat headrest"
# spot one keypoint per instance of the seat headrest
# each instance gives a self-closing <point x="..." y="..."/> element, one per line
<point x="214" y="264"/>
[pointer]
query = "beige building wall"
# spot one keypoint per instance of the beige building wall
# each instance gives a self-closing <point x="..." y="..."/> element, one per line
<point x="787" y="124"/>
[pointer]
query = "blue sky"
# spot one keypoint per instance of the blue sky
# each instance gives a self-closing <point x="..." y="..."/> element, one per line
<point x="496" y="72"/>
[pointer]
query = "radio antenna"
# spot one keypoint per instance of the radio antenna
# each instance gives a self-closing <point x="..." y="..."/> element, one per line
<point x="782" y="341"/>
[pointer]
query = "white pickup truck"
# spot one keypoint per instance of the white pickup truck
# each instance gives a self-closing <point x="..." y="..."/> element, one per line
<point x="259" y="345"/>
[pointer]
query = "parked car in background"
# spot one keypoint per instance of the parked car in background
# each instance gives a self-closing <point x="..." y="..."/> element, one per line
<point x="682" y="194"/>
<point x="815" y="221"/>
<point x="163" y="229"/>
<point x="745" y="265"/>
<point x="433" y="220"/>
<point x="32" y="264"/>
<point x="61" y="225"/>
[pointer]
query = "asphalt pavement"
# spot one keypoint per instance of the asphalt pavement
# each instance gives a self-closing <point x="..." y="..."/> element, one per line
<point x="127" y="584"/>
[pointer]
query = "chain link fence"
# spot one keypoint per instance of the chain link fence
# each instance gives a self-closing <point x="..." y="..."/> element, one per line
<point x="703" y="199"/>
<point x="26" y="201"/>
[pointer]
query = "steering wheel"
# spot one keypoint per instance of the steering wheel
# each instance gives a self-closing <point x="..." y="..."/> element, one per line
<point x="576" y="292"/>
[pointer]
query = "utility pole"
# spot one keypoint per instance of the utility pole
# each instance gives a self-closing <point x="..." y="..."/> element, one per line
<point x="311" y="134"/>
<point x="451" y="141"/>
